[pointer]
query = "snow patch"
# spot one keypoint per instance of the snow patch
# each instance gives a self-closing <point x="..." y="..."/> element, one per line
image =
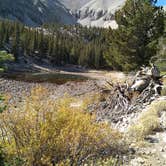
<point x="99" y="13"/>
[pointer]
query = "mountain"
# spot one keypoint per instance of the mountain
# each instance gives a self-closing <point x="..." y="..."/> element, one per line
<point x="35" y="12"/>
<point x="99" y="13"/>
<point x="74" y="5"/>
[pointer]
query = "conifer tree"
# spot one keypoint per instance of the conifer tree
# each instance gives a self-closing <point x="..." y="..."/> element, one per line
<point x="134" y="42"/>
<point x="59" y="44"/>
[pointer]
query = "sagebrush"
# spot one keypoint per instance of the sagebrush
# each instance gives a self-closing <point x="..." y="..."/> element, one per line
<point x="43" y="131"/>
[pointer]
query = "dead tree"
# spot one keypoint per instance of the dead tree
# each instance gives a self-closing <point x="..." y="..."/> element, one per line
<point x="125" y="99"/>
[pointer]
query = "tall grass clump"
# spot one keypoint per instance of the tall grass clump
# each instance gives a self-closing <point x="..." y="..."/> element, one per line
<point x="148" y="122"/>
<point x="42" y="132"/>
<point x="163" y="92"/>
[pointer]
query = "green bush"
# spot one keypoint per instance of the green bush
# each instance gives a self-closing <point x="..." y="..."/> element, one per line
<point x="4" y="56"/>
<point x="2" y="157"/>
<point x="2" y="104"/>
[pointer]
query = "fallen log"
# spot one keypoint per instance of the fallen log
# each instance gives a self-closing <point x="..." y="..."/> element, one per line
<point x="125" y="99"/>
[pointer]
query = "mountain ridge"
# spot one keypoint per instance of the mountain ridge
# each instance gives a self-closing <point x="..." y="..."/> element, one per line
<point x="99" y="13"/>
<point x="35" y="12"/>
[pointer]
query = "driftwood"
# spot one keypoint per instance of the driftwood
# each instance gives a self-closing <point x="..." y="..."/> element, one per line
<point x="126" y="99"/>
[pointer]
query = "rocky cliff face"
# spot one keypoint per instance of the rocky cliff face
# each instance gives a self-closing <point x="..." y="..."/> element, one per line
<point x="35" y="12"/>
<point x="74" y="5"/>
<point x="99" y="13"/>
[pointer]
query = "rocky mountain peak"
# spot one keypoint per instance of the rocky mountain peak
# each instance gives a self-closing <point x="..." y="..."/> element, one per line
<point x="99" y="13"/>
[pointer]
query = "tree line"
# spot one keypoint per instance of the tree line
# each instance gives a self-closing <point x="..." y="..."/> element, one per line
<point x="58" y="44"/>
<point x="134" y="43"/>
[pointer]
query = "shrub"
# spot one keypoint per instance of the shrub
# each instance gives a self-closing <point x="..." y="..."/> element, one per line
<point x="42" y="131"/>
<point x="4" y="56"/>
<point x="163" y="92"/>
<point x="148" y="121"/>
<point x="2" y="157"/>
<point x="3" y="105"/>
<point x="159" y="106"/>
<point x="145" y="127"/>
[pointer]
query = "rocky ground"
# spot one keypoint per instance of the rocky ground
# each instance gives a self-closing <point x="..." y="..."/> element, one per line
<point x="94" y="80"/>
<point x="153" y="154"/>
<point x="17" y="90"/>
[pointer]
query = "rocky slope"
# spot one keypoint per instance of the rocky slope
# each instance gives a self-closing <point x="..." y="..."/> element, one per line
<point x="152" y="152"/>
<point x="35" y="12"/>
<point x="98" y="13"/>
<point x="74" y="5"/>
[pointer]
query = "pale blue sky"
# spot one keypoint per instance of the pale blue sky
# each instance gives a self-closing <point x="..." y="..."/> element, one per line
<point x="161" y="2"/>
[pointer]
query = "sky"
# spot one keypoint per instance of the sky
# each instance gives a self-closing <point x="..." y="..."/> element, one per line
<point x="161" y="3"/>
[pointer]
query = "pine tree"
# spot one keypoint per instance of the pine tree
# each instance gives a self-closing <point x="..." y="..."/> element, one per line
<point x="59" y="44"/>
<point x="16" y="40"/>
<point x="134" y="42"/>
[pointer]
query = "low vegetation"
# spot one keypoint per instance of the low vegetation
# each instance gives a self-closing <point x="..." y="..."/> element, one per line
<point x="43" y="131"/>
<point x="59" y="45"/>
<point x="148" y="122"/>
<point x="163" y="92"/>
<point x="4" y="56"/>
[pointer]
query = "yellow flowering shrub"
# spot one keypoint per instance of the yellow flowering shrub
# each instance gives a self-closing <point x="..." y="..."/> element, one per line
<point x="43" y="131"/>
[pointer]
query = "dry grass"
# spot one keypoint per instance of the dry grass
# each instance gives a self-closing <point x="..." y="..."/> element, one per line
<point x="43" y="132"/>
<point x="164" y="81"/>
<point x="117" y="77"/>
<point x="148" y="122"/>
<point x="163" y="92"/>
